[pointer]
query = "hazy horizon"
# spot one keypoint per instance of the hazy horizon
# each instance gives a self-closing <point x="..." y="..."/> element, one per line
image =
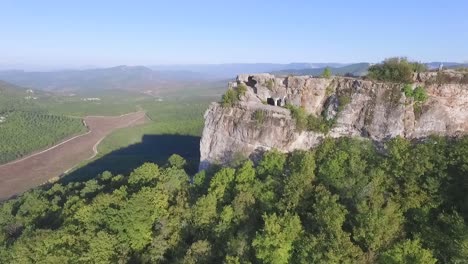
<point x="170" y="67"/>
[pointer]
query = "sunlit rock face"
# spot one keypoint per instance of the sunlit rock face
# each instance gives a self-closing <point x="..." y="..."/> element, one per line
<point x="373" y="110"/>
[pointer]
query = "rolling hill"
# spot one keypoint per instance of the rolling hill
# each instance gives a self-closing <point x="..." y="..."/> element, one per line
<point x="16" y="97"/>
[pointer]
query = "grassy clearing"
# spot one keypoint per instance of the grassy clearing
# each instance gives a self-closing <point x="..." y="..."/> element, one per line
<point x="174" y="126"/>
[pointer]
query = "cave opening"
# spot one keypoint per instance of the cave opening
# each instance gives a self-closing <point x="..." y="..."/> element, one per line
<point x="271" y="101"/>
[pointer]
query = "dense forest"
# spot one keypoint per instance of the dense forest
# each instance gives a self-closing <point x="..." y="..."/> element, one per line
<point x="344" y="202"/>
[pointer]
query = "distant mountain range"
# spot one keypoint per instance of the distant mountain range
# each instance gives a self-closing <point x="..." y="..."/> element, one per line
<point x="450" y="65"/>
<point x="120" y="77"/>
<point x="226" y="71"/>
<point x="160" y="77"/>
<point x="140" y="78"/>
<point x="357" y="69"/>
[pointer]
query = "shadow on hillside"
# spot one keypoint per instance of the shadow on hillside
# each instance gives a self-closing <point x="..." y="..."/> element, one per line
<point x="153" y="148"/>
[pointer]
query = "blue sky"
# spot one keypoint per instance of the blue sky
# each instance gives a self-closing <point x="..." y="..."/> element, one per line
<point x="101" y="33"/>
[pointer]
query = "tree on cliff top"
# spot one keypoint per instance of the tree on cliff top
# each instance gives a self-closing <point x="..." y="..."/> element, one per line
<point x="326" y="73"/>
<point x="397" y="69"/>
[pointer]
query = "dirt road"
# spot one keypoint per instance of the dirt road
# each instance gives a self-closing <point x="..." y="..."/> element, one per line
<point x="31" y="171"/>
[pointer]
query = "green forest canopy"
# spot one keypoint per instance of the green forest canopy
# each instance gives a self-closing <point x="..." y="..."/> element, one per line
<point x="340" y="203"/>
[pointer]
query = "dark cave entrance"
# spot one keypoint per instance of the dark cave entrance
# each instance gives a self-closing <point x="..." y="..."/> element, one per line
<point x="271" y="101"/>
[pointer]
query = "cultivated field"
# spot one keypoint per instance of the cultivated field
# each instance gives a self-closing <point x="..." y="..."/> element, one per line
<point x="21" y="175"/>
<point x="24" y="132"/>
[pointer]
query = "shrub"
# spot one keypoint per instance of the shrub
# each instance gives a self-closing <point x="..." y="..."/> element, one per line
<point x="299" y="114"/>
<point x="417" y="109"/>
<point x="232" y="96"/>
<point x="327" y="73"/>
<point x="229" y="98"/>
<point x="343" y="100"/>
<point x="259" y="116"/>
<point x="420" y="94"/>
<point x="309" y="122"/>
<point x="318" y="124"/>
<point x="270" y="84"/>
<point x="329" y="90"/>
<point x="408" y="90"/>
<point x="241" y="89"/>
<point x="398" y="70"/>
<point x="418" y="67"/>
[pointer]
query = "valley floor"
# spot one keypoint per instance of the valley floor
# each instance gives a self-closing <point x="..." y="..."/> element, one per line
<point x="36" y="169"/>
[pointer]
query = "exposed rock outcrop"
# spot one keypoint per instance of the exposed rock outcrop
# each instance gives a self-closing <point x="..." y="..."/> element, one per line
<point x="374" y="110"/>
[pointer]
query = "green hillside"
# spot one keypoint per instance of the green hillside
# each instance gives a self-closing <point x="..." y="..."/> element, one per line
<point x="13" y="97"/>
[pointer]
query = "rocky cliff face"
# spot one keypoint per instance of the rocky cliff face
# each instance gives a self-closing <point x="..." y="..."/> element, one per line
<point x="359" y="108"/>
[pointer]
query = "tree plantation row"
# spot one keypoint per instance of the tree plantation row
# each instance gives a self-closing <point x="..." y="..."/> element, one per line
<point x="23" y="132"/>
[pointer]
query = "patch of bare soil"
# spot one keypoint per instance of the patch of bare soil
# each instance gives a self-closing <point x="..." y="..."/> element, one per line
<point x="18" y="176"/>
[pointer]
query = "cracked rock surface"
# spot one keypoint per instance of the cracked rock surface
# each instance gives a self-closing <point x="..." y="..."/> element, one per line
<point x="375" y="110"/>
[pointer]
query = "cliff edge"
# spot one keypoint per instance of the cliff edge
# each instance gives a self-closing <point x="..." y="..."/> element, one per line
<point x="352" y="107"/>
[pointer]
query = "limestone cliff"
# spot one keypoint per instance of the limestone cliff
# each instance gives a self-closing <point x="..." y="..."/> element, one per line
<point x="374" y="110"/>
